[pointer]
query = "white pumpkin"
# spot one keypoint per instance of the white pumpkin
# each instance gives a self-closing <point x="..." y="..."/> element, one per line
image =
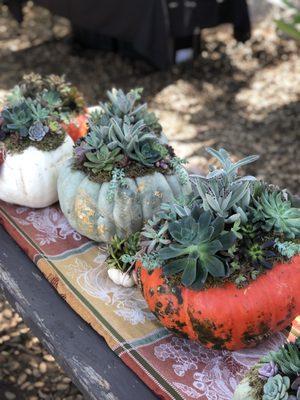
<point x="29" y="178"/>
<point x="121" y="278"/>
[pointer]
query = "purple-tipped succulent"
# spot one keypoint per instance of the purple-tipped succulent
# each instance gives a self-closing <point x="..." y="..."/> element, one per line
<point x="161" y="164"/>
<point x="268" y="370"/>
<point x="79" y="152"/>
<point x="296" y="386"/>
<point x="37" y="131"/>
<point x="2" y="134"/>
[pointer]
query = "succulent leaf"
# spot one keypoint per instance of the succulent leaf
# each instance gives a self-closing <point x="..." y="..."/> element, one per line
<point x="274" y="212"/>
<point x="222" y="191"/>
<point x="194" y="248"/>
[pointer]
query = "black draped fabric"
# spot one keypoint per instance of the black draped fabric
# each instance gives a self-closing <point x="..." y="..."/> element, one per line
<point x="150" y="26"/>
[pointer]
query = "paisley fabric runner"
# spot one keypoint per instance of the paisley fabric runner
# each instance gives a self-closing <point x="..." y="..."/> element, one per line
<point x="172" y="367"/>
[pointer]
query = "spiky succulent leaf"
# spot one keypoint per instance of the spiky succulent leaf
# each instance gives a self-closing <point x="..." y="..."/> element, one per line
<point x="222" y="191"/>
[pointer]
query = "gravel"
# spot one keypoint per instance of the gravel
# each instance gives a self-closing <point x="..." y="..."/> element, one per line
<point x="243" y="97"/>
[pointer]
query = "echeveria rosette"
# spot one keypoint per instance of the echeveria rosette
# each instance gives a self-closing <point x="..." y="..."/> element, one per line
<point x="268" y="370"/>
<point x="37" y="131"/>
<point x="277" y="388"/>
<point x="273" y="212"/>
<point x="196" y="243"/>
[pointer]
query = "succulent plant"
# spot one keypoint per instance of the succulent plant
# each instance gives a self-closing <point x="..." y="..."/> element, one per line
<point x="51" y="99"/>
<point x="268" y="370"/>
<point x="79" y="153"/>
<point x="52" y="91"/>
<point x="222" y="191"/>
<point x="38" y="113"/>
<point x="273" y="212"/>
<point x="128" y="105"/>
<point x="103" y="159"/>
<point x="151" y="120"/>
<point x="195" y="249"/>
<point x="95" y="138"/>
<point x="31" y="84"/>
<point x="37" y="131"/>
<point x="287" y="358"/>
<point x="15" y="96"/>
<point x="177" y="165"/>
<point x="118" y="248"/>
<point x="295" y="386"/>
<point x="122" y="104"/>
<point x="147" y="154"/>
<point x="171" y="211"/>
<point x="130" y="138"/>
<point x="261" y="254"/>
<point x="153" y="238"/>
<point x="118" y="180"/>
<point x="276" y="388"/>
<point x="287" y="249"/>
<point x="17" y="119"/>
<point x="245" y="231"/>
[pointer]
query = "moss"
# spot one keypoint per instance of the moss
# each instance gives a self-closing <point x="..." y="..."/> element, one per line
<point x="132" y="170"/>
<point x="256" y="384"/>
<point x="15" y="144"/>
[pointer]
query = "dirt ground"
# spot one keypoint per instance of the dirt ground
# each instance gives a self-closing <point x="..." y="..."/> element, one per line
<point x="244" y="97"/>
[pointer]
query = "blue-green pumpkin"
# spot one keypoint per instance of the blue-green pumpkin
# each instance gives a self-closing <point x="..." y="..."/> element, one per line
<point x="90" y="211"/>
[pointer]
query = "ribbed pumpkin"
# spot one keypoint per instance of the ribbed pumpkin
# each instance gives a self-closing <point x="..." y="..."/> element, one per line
<point x="88" y="209"/>
<point x="226" y="317"/>
<point x="29" y="178"/>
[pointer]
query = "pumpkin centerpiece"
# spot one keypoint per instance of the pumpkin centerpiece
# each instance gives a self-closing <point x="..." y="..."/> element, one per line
<point x="33" y="143"/>
<point x="275" y="376"/>
<point x="121" y="171"/>
<point x="54" y="92"/>
<point x="223" y="269"/>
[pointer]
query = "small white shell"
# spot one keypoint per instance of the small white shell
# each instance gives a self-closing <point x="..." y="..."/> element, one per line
<point x="121" y="278"/>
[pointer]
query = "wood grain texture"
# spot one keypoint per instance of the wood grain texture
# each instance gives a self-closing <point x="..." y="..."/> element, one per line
<point x="77" y="348"/>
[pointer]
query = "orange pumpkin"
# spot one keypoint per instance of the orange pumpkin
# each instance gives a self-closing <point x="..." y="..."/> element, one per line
<point x="77" y="128"/>
<point x="226" y="317"/>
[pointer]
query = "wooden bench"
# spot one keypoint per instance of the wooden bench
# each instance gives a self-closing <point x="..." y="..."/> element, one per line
<point x="79" y="350"/>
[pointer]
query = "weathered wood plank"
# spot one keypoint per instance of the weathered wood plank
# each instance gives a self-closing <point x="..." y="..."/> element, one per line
<point x="79" y="350"/>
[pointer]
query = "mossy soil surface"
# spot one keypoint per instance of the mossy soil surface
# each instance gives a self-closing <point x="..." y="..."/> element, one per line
<point x="15" y="144"/>
<point x="132" y="170"/>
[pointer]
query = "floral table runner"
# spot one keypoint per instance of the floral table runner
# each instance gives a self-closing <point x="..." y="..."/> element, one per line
<point x="172" y="367"/>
